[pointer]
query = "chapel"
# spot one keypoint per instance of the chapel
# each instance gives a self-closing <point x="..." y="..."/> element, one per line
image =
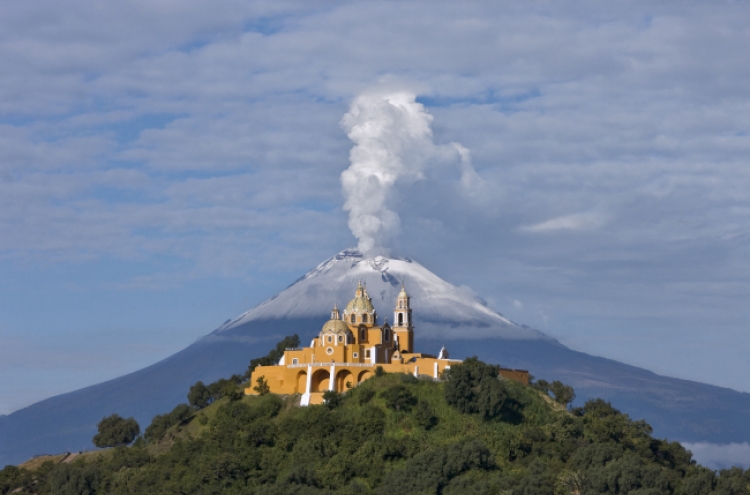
<point x="348" y="349"/>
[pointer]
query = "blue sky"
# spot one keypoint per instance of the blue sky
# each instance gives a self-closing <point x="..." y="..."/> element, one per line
<point x="167" y="165"/>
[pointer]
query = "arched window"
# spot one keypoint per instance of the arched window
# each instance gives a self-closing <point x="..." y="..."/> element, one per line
<point x="363" y="334"/>
<point x="364" y="318"/>
<point x="341" y="338"/>
<point x="330" y="339"/>
<point x="354" y="319"/>
<point x="400" y="319"/>
<point x="387" y="335"/>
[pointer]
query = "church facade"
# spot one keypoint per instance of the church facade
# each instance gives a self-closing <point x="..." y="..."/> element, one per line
<point x="348" y="349"/>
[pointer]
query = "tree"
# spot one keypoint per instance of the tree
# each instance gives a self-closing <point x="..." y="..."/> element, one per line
<point x="564" y="394"/>
<point x="232" y="391"/>
<point x="199" y="395"/>
<point x="115" y="431"/>
<point x="262" y="386"/>
<point x="541" y="385"/>
<point x="162" y="422"/>
<point x="474" y="387"/>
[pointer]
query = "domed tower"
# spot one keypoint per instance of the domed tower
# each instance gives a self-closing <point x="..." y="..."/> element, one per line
<point x="360" y="310"/>
<point x="335" y="331"/>
<point x="402" y="324"/>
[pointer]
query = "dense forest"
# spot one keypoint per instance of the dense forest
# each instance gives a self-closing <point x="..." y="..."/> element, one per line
<point x="471" y="432"/>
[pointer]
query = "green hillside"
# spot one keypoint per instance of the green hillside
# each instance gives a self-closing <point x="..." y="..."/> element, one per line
<point x="394" y="434"/>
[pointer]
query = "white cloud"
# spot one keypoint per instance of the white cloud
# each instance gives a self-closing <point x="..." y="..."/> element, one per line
<point x="720" y="456"/>
<point x="574" y="222"/>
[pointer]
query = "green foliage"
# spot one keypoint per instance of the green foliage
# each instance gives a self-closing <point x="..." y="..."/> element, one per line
<point x="399" y="398"/>
<point x="475" y="387"/>
<point x="114" y="431"/>
<point x="199" y="395"/>
<point x="379" y="371"/>
<point x="562" y="393"/>
<point x="261" y="386"/>
<point x="12" y="477"/>
<point x="365" y="395"/>
<point x="392" y="435"/>
<point x="162" y="422"/>
<point x="425" y="416"/>
<point x="74" y="479"/>
<point x="273" y="357"/>
<point x="331" y="399"/>
<point x="430" y="471"/>
<point x="541" y="385"/>
<point x="233" y="391"/>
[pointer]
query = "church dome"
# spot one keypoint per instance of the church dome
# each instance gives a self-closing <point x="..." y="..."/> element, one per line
<point x="361" y="302"/>
<point x="359" y="305"/>
<point x="335" y="326"/>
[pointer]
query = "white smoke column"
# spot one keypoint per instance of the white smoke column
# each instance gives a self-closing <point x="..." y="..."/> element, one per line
<point x="392" y="143"/>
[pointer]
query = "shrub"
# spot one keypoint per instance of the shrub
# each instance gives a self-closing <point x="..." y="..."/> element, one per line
<point x="425" y="416"/>
<point x="398" y="398"/>
<point x="331" y="399"/>
<point x="366" y="395"/>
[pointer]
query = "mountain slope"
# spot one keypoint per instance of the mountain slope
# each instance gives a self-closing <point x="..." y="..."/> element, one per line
<point x="440" y="306"/>
<point x="443" y="314"/>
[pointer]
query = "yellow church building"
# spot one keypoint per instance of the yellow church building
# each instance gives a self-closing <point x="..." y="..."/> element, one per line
<point x="350" y="346"/>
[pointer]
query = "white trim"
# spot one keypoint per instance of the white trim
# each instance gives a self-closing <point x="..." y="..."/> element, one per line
<point x="305" y="400"/>
<point x="359" y="365"/>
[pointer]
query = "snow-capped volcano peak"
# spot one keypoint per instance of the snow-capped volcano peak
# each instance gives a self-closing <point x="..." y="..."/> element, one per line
<point x="441" y="310"/>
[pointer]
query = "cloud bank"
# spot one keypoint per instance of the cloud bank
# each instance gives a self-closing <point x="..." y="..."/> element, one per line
<point x="720" y="455"/>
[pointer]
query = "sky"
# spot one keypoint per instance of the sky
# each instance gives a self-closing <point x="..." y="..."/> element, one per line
<point x="166" y="165"/>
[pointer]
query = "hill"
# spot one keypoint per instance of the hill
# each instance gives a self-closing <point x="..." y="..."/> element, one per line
<point x="394" y="434"/>
<point x="443" y="313"/>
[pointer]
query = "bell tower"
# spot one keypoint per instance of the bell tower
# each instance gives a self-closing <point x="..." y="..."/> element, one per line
<point x="402" y="324"/>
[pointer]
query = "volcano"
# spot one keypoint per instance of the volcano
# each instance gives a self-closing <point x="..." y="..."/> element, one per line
<point x="443" y="315"/>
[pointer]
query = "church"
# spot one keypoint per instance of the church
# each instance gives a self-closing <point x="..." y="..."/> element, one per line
<point x="348" y="349"/>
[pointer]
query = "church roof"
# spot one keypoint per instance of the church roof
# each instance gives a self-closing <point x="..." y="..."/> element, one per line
<point x="335" y="326"/>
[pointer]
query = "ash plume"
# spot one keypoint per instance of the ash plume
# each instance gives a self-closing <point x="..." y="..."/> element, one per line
<point x="393" y="143"/>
